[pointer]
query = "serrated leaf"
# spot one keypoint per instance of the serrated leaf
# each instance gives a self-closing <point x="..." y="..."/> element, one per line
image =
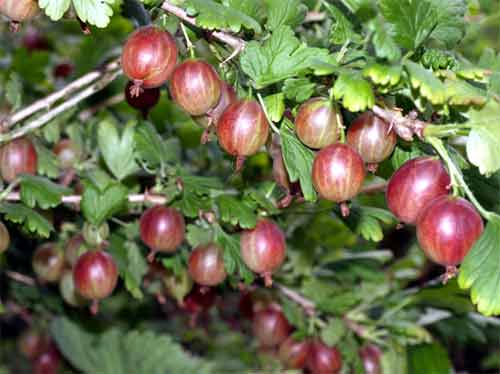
<point x="412" y="21"/>
<point x="479" y="270"/>
<point x="333" y="332"/>
<point x="459" y="92"/>
<point x="384" y="75"/>
<point x="284" y="12"/>
<point x="14" y="91"/>
<point x="293" y="313"/>
<point x="131" y="263"/>
<point x="98" y="205"/>
<point x="233" y="263"/>
<point x="342" y="29"/>
<point x="280" y="57"/>
<point x="118" y="152"/>
<point x="354" y="91"/>
<point x="47" y="162"/>
<point x="298" y="160"/>
<point x="429" y="86"/>
<point x="152" y="149"/>
<point x="385" y="46"/>
<point x="42" y="192"/>
<point x="54" y="9"/>
<point x="298" y="89"/>
<point x="483" y="144"/>
<point x="212" y="15"/>
<point x="365" y="221"/>
<point x="236" y="212"/>
<point x="196" y="235"/>
<point x="400" y="155"/>
<point x="450" y="28"/>
<point x="94" y="12"/>
<point x="252" y="8"/>
<point x="30" y="219"/>
<point x="428" y="358"/>
<point x="275" y="106"/>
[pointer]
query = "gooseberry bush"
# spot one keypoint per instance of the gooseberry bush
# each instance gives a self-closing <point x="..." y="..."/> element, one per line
<point x="221" y="186"/>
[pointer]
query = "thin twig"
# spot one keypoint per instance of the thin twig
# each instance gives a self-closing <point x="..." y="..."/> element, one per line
<point x="88" y="113"/>
<point x="51" y="99"/>
<point x="21" y="278"/>
<point x="68" y="104"/>
<point x="297" y="298"/>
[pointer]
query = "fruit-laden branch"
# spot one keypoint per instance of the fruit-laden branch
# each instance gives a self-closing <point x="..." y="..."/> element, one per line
<point x="405" y="126"/>
<point x="68" y="104"/>
<point x="48" y="101"/>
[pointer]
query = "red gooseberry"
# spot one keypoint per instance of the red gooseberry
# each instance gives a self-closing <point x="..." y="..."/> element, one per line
<point x="145" y="101"/>
<point x="68" y="153"/>
<point x="447" y="228"/>
<point x="227" y="97"/>
<point x="206" y="265"/>
<point x="195" y="86"/>
<point x="19" y="11"/>
<point x="270" y="327"/>
<point x="323" y="359"/>
<point x="371" y="355"/>
<point x="162" y="229"/>
<point x="317" y="123"/>
<point x="18" y="157"/>
<point x="372" y="138"/>
<point x="74" y="248"/>
<point x="95" y="276"/>
<point x="48" y="361"/>
<point x="48" y="262"/>
<point x="263" y="248"/>
<point x="68" y="290"/>
<point x="148" y="58"/>
<point x="293" y="353"/>
<point x="414" y="185"/>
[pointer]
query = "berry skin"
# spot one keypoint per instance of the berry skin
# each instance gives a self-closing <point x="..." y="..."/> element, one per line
<point x="263" y="248"/>
<point x="414" y="185"/>
<point x="68" y="291"/>
<point x="293" y="354"/>
<point x="48" y="362"/>
<point x="145" y="101"/>
<point x="195" y="86"/>
<point x="95" y="275"/>
<point x="372" y="138"/>
<point x="371" y="356"/>
<point x="270" y="327"/>
<point x="18" y="157"/>
<point x="243" y="128"/>
<point x="48" y="262"/>
<point x="162" y="229"/>
<point x="447" y="228"/>
<point x="317" y="124"/>
<point x="338" y="172"/>
<point x="74" y="248"/>
<point x="148" y="58"/>
<point x="19" y="10"/>
<point x="68" y="153"/>
<point x="324" y="359"/>
<point x="227" y="97"/>
<point x="206" y="265"/>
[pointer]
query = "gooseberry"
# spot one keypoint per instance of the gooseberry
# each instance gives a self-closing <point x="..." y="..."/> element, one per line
<point x="19" y="10"/>
<point x="293" y="353"/>
<point x="270" y="327"/>
<point x="317" y="123"/>
<point x="162" y="229"/>
<point x="18" y="157"/>
<point x="68" y="153"/>
<point x="371" y="356"/>
<point x="323" y="359"/>
<point x="95" y="275"/>
<point x="263" y="248"/>
<point x="227" y="97"/>
<point x="48" y="262"/>
<point x="31" y="343"/>
<point x="74" y="249"/>
<point x="195" y="86"/>
<point x="414" y="185"/>
<point x="48" y="361"/>
<point x="148" y="58"/>
<point x="68" y="290"/>
<point x="206" y="265"/>
<point x="146" y="100"/>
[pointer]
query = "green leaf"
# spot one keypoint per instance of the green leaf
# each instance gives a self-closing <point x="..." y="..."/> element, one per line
<point x="280" y="57"/>
<point x="333" y="332"/>
<point x="99" y="204"/>
<point x="412" y="21"/>
<point x="253" y="8"/>
<point x="118" y="152"/>
<point x="14" y="92"/>
<point x="95" y="12"/>
<point x="233" y="263"/>
<point x="30" y="219"/>
<point x="342" y="29"/>
<point x="298" y="160"/>
<point x="354" y="91"/>
<point x="384" y="75"/>
<point x="275" y="106"/>
<point x="483" y="144"/>
<point x="293" y="313"/>
<point x="401" y="155"/>
<point x="152" y="149"/>
<point x="284" y="12"/>
<point x="451" y="23"/>
<point x="298" y="89"/>
<point x="430" y="87"/>
<point x="42" y="192"/>
<point x="236" y="212"/>
<point x="131" y="263"/>
<point x="394" y="359"/>
<point x="196" y="235"/>
<point x="54" y="9"/>
<point x="459" y="92"/>
<point x="47" y="161"/>
<point x="385" y="46"/>
<point x="428" y="358"/>
<point x="365" y="221"/>
<point x="212" y="15"/>
<point x="479" y="270"/>
<point x="115" y="351"/>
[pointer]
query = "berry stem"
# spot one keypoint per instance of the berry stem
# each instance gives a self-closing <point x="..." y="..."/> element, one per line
<point x="264" y="108"/>
<point x="189" y="44"/>
<point x="94" y="307"/>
